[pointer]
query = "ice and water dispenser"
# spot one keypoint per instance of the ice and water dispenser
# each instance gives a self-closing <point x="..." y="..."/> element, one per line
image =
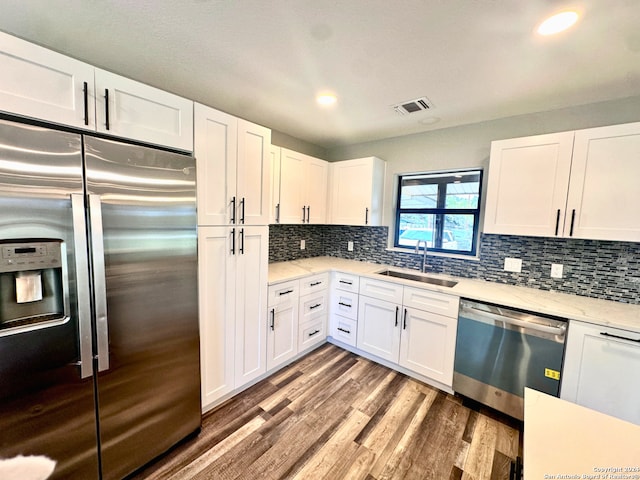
<point x="33" y="284"/>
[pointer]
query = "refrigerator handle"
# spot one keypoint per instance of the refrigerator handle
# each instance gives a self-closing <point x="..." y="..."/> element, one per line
<point x="82" y="285"/>
<point x="99" y="282"/>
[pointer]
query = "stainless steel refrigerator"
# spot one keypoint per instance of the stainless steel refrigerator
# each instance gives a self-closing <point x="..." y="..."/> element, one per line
<point x="99" y="349"/>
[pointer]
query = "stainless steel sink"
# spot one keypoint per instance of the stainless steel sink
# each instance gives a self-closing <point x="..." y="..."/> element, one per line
<point x="419" y="278"/>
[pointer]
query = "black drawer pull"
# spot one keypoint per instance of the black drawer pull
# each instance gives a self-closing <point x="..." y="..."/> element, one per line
<point x="314" y="333"/>
<point x="346" y="282"/>
<point x="637" y="340"/>
<point x="312" y="307"/>
<point x="314" y="284"/>
<point x="286" y="292"/>
<point x="344" y="304"/>
<point x="345" y="331"/>
<point x="273" y="319"/>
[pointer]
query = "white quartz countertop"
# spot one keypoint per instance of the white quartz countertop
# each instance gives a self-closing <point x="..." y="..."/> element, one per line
<point x="573" y="307"/>
<point x="563" y="440"/>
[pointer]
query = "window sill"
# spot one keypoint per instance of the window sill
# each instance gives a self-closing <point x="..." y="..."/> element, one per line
<point x="475" y="258"/>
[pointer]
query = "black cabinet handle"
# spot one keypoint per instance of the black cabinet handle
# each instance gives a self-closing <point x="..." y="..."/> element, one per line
<point x="273" y="319"/>
<point x="304" y="209"/>
<point x="314" y="284"/>
<point x="313" y="307"/>
<point x="233" y="210"/>
<point x="606" y="334"/>
<point x="286" y="292"/>
<point x="404" y="325"/>
<point x="242" y="210"/>
<point x="397" y="311"/>
<point x="346" y="282"/>
<point x="278" y="213"/>
<point x="85" y="92"/>
<point x="309" y="214"/>
<point x="557" y="221"/>
<point x="573" y="219"/>
<point x="241" y="241"/>
<point x="366" y="216"/>
<point x="315" y="332"/>
<point x="106" y="108"/>
<point x="233" y="241"/>
<point x="344" y="304"/>
<point x="344" y="330"/>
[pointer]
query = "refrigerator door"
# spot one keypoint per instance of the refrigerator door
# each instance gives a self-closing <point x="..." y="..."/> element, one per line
<point x="143" y="217"/>
<point x="46" y="385"/>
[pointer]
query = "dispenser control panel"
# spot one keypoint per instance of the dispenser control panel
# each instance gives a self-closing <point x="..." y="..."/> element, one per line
<point x="21" y="256"/>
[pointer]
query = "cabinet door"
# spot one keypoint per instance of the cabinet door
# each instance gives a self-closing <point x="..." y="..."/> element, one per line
<point x="356" y="191"/>
<point x="603" y="192"/>
<point x="217" y="292"/>
<point x="428" y="344"/>
<point x="216" y="136"/>
<point x="274" y="216"/>
<point x="45" y="85"/>
<point x="292" y="185"/>
<point x="527" y="187"/>
<point x="254" y="173"/>
<point x="282" y="336"/>
<point x="379" y="328"/>
<point x="131" y="109"/>
<point x="252" y="255"/>
<point x="316" y="177"/>
<point x="601" y="370"/>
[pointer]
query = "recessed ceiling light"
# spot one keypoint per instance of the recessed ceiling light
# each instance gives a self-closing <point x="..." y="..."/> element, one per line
<point x="326" y="99"/>
<point x="557" y="23"/>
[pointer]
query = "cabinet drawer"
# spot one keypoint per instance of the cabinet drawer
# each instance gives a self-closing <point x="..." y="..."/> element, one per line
<point x="430" y="301"/>
<point x="283" y="292"/>
<point x="345" y="304"/>
<point x="314" y="283"/>
<point x="388" y="291"/>
<point x="312" y="333"/>
<point x="345" y="281"/>
<point x="313" y="306"/>
<point x="344" y="329"/>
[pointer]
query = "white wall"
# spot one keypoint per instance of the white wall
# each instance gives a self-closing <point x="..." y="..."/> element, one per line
<point x="468" y="145"/>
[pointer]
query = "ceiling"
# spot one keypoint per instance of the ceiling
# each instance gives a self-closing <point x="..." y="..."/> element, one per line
<point x="265" y="60"/>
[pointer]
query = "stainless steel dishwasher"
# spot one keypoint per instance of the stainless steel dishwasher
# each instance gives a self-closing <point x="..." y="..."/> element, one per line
<point x="499" y="351"/>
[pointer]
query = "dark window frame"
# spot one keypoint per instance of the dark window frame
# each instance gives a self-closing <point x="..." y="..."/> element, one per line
<point x="440" y="211"/>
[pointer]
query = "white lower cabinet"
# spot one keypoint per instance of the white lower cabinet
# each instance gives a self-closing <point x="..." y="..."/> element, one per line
<point x="233" y="301"/>
<point x="601" y="370"/>
<point x="343" y="307"/>
<point x="412" y="332"/>
<point x="282" y="332"/>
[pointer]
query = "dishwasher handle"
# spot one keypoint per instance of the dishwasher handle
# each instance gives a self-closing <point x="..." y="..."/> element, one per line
<point x="560" y="331"/>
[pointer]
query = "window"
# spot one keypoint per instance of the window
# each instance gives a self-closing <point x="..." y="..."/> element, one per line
<point x="442" y="209"/>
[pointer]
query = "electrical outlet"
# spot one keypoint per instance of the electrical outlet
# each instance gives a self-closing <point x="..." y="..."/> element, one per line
<point x="303" y="245"/>
<point x="556" y="270"/>
<point x="513" y="264"/>
<point x="350" y="246"/>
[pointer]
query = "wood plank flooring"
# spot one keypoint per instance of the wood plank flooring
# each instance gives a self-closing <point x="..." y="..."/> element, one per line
<point x="335" y="415"/>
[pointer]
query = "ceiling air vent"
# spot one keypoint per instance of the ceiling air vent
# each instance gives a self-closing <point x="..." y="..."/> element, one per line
<point x="413" y="106"/>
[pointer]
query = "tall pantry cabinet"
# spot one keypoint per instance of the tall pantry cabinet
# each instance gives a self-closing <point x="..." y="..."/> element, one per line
<point x="233" y="164"/>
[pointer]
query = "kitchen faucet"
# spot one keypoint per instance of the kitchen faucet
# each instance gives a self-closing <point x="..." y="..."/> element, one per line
<point x="424" y="254"/>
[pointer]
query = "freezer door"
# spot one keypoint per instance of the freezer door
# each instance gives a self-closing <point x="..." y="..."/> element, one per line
<point x="143" y="217"/>
<point x="46" y="396"/>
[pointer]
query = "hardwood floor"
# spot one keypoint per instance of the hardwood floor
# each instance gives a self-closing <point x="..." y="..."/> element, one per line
<point x="335" y="415"/>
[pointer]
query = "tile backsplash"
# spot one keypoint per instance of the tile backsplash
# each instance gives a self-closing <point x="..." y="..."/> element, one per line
<point x="592" y="268"/>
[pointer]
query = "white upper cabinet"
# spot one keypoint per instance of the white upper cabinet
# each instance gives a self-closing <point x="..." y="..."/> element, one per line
<point x="527" y="188"/>
<point x="603" y="191"/>
<point x="579" y="184"/>
<point x="45" y="85"/>
<point x="233" y="162"/>
<point x="274" y="214"/>
<point x="303" y="188"/>
<point x="131" y="109"/>
<point x="356" y="191"/>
